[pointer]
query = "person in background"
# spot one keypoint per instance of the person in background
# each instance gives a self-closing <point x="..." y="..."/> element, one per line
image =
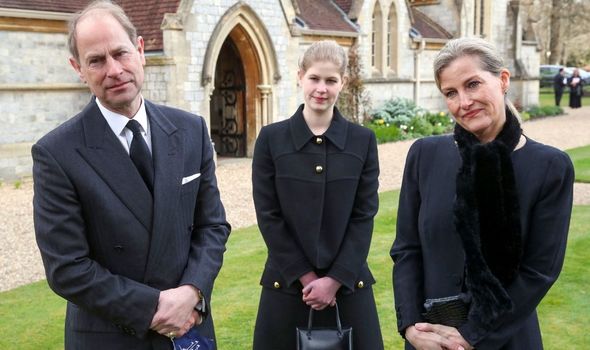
<point x="315" y="181"/>
<point x="127" y="212"/>
<point x="576" y="85"/>
<point x="483" y="216"/>
<point x="559" y="82"/>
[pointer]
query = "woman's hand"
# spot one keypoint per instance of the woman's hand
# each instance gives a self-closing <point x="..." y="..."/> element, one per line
<point x="308" y="278"/>
<point x="321" y="292"/>
<point x="436" y="336"/>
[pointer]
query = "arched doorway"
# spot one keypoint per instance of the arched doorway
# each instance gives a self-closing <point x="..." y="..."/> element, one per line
<point x="241" y="45"/>
<point x="227" y="105"/>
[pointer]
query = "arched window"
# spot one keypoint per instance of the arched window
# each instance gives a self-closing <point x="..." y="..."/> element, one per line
<point x="392" y="39"/>
<point x="377" y="38"/>
<point x="482" y="18"/>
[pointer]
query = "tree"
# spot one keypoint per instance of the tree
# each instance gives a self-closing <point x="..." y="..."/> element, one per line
<point x="558" y="25"/>
<point x="354" y="101"/>
<point x="554" y="29"/>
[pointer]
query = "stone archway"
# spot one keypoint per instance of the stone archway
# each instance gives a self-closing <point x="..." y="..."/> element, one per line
<point x="227" y="106"/>
<point x="241" y="37"/>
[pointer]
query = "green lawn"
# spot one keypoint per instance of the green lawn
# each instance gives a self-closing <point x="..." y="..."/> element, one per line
<point x="547" y="97"/>
<point x="581" y="158"/>
<point x="32" y="316"/>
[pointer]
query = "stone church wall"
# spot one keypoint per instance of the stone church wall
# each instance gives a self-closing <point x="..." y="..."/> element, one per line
<point x="38" y="91"/>
<point x="206" y="16"/>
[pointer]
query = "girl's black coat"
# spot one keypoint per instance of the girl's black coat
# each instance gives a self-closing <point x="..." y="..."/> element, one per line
<point x="315" y="200"/>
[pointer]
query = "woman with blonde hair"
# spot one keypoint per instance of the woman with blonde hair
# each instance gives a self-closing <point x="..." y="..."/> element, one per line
<point x="315" y="186"/>
<point x="483" y="216"/>
<point x="576" y="85"/>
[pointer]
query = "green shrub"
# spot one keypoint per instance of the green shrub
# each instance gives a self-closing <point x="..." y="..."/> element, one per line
<point x="553" y="110"/>
<point x="439" y="130"/>
<point x="398" y="111"/>
<point x="401" y="119"/>
<point x="419" y="126"/>
<point x="545" y="111"/>
<point x="441" y="122"/>
<point x="440" y="118"/>
<point x="385" y="133"/>
<point x="524" y="115"/>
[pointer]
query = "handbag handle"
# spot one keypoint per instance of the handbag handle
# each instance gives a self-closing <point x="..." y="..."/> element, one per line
<point x="338" y="324"/>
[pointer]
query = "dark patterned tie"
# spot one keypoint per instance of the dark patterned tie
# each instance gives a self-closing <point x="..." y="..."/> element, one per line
<point x="140" y="154"/>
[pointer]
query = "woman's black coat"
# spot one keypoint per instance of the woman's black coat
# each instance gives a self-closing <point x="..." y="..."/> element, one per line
<point x="428" y="254"/>
<point x="576" y="92"/>
<point x="315" y="200"/>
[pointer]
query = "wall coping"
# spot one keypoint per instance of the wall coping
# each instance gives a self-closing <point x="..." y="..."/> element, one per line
<point x="43" y="87"/>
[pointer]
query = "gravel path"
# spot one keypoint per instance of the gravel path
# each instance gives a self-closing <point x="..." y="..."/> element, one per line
<point x="20" y="262"/>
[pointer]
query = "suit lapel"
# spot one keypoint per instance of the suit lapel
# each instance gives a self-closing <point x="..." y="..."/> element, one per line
<point x="168" y="165"/>
<point x="108" y="158"/>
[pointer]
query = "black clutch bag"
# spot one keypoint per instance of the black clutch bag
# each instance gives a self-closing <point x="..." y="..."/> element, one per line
<point x="450" y="311"/>
<point x="311" y="338"/>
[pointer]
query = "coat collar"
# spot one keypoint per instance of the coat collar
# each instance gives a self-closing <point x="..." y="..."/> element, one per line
<point x="301" y="134"/>
<point x="109" y="159"/>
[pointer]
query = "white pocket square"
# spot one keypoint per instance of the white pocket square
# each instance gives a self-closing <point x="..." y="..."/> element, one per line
<point x="188" y="179"/>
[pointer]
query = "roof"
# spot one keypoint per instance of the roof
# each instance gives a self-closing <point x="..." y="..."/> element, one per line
<point x="325" y="15"/>
<point x="45" y="5"/>
<point x="146" y="15"/>
<point x="427" y="27"/>
<point x="345" y="5"/>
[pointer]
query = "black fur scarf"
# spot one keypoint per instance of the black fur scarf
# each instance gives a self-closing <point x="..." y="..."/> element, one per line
<point x="486" y="214"/>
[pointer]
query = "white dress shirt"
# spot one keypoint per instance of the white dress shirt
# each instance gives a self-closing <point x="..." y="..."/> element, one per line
<point x="118" y="123"/>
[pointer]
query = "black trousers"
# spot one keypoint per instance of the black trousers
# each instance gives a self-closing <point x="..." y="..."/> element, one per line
<point x="280" y="313"/>
<point x="558" y="94"/>
<point x="575" y="100"/>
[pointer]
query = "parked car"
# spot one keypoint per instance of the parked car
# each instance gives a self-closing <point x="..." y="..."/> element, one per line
<point x="548" y="71"/>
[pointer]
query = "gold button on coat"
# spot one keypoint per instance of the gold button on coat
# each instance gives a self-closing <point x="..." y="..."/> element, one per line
<point x="319" y="140"/>
<point x="277" y="285"/>
<point x="319" y="169"/>
<point x="361" y="284"/>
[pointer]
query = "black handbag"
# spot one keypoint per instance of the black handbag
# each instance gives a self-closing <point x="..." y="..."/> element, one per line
<point x="311" y="338"/>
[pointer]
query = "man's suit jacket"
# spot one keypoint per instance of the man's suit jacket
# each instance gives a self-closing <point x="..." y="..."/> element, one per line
<point x="108" y="246"/>
<point x="558" y="84"/>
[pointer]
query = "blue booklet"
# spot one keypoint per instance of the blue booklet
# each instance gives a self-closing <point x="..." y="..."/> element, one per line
<point x="192" y="340"/>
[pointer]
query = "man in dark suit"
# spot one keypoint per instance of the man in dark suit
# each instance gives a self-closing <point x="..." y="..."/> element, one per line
<point x="559" y="81"/>
<point x="127" y="212"/>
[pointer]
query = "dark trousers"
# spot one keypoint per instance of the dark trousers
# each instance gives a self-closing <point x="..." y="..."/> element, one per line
<point x="558" y="94"/>
<point x="280" y="313"/>
<point x="575" y="99"/>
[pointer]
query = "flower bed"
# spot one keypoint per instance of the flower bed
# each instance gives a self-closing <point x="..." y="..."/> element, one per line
<point x="401" y="119"/>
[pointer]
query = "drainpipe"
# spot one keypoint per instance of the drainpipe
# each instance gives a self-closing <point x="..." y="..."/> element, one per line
<point x="417" y="54"/>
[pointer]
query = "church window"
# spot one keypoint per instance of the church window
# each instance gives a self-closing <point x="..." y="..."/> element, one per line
<point x="377" y="38"/>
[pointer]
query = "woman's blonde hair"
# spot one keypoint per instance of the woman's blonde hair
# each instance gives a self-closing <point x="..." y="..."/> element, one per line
<point x="322" y="51"/>
<point x="489" y="58"/>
